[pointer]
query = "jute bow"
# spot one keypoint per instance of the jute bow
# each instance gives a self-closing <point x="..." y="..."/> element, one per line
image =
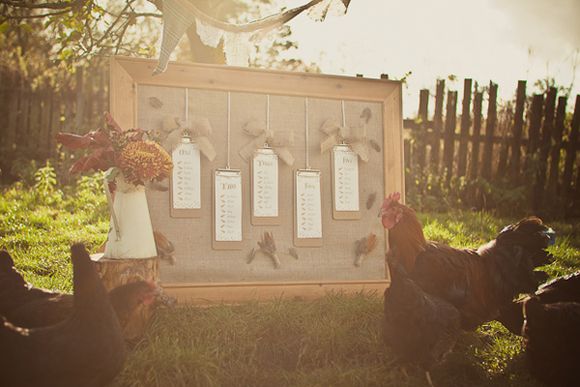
<point x="354" y="137"/>
<point x="274" y="140"/>
<point x="199" y="130"/>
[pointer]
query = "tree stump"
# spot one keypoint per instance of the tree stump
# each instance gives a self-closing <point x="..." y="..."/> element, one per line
<point x="117" y="272"/>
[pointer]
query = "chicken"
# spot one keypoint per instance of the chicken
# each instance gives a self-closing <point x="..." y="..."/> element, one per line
<point x="86" y="349"/>
<point x="477" y="282"/>
<point x="14" y="291"/>
<point x="552" y="341"/>
<point x="419" y="327"/>
<point x="562" y="289"/>
<point x="30" y="307"/>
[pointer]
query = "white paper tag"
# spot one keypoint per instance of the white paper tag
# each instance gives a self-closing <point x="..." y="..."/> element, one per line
<point x="346" y="189"/>
<point x="265" y="183"/>
<point x="228" y="205"/>
<point x="308" y="204"/>
<point x="186" y="176"/>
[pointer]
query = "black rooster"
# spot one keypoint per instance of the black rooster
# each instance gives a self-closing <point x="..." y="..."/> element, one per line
<point x="552" y="341"/>
<point x="562" y="289"/>
<point x="420" y="328"/>
<point x="87" y="349"/>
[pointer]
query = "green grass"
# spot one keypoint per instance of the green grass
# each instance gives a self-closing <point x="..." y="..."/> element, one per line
<point x="333" y="341"/>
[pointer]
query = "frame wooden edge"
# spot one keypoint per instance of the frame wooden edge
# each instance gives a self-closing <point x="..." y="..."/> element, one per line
<point x="122" y="94"/>
<point x="208" y="294"/>
<point x="231" y="78"/>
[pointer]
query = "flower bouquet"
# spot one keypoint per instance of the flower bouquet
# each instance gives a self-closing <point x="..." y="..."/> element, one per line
<point x="130" y="161"/>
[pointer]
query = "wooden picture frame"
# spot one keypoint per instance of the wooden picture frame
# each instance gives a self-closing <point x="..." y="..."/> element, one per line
<point x="128" y="74"/>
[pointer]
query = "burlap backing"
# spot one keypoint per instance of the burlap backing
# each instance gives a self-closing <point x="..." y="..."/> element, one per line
<point x="196" y="261"/>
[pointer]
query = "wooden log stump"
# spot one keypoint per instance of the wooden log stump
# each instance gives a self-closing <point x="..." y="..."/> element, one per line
<point x="117" y="272"/>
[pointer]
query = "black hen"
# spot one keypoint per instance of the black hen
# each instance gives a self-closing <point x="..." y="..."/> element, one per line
<point x="420" y="328"/>
<point x="552" y="341"/>
<point x="479" y="283"/>
<point x="87" y="349"/>
<point x="562" y="289"/>
<point x="29" y="307"/>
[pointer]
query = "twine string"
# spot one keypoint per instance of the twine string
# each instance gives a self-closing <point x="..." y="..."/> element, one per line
<point x="228" y="127"/>
<point x="306" y="127"/>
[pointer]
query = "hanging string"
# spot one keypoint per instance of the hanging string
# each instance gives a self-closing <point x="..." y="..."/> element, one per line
<point x="268" y="113"/>
<point x="186" y="107"/>
<point x="306" y="130"/>
<point x="229" y="110"/>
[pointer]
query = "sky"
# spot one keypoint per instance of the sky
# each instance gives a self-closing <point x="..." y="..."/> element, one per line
<point x="499" y="40"/>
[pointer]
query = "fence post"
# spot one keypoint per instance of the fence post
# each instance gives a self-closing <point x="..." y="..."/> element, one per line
<point x="421" y="134"/>
<point x="571" y="150"/>
<point x="555" y="156"/>
<point x="534" y="129"/>
<point x="489" y="131"/>
<point x="477" y="102"/>
<point x="465" y="125"/>
<point x="545" y="147"/>
<point x="449" y="136"/>
<point x="437" y="125"/>
<point x="517" y="131"/>
<point x="504" y="126"/>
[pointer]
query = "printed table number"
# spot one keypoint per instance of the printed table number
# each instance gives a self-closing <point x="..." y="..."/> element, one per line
<point x="227" y="207"/>
<point x="345" y="185"/>
<point x="186" y="180"/>
<point x="265" y="187"/>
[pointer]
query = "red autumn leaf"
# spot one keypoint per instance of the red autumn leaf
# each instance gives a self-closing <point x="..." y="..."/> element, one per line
<point x="111" y="123"/>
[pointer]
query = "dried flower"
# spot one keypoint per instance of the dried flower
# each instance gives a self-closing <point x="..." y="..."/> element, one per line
<point x="142" y="161"/>
<point x="109" y="147"/>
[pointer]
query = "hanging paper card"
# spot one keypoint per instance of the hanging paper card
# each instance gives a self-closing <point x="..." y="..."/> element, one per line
<point x="308" y="209"/>
<point x="186" y="180"/>
<point x="265" y="187"/>
<point x="227" y="209"/>
<point x="345" y="186"/>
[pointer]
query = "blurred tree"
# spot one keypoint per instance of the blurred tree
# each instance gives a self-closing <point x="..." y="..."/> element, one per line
<point x="72" y="31"/>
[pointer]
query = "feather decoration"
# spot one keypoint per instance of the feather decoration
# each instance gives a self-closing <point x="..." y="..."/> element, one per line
<point x="363" y="247"/>
<point x="268" y="247"/>
<point x="371" y="200"/>
<point x="293" y="252"/>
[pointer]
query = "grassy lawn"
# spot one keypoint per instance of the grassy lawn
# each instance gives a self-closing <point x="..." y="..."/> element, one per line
<point x="334" y="341"/>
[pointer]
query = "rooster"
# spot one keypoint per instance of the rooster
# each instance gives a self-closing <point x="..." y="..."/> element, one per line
<point x="477" y="282"/>
<point x="86" y="349"/>
<point x="29" y="307"/>
<point x="420" y="328"/>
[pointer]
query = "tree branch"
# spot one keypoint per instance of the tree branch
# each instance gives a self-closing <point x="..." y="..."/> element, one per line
<point x="39" y="16"/>
<point x="57" y="5"/>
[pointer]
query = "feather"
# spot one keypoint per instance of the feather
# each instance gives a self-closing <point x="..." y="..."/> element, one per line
<point x="364" y="247"/>
<point x="371" y="200"/>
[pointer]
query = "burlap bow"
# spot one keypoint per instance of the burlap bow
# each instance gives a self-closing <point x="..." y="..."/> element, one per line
<point x="199" y="130"/>
<point x="355" y="138"/>
<point x="275" y="140"/>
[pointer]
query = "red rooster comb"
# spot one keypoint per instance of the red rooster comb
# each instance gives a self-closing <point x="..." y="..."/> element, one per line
<point x="390" y="212"/>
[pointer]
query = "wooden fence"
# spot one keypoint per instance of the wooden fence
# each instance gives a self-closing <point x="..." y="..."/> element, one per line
<point x="31" y="116"/>
<point x="530" y="141"/>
